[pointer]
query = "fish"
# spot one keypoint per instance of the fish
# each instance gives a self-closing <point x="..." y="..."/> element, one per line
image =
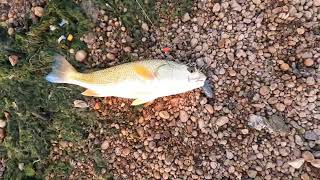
<point x="141" y="80"/>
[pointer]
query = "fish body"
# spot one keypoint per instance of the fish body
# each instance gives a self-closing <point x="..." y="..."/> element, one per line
<point x="143" y="80"/>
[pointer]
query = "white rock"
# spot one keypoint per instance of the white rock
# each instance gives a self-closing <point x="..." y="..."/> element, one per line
<point x="80" y="104"/>
<point x="216" y="7"/>
<point x="145" y="27"/>
<point x="297" y="163"/>
<point x="186" y="17"/>
<point x="222" y="121"/>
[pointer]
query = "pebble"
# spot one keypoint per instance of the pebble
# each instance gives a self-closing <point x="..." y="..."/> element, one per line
<point x="186" y="17"/>
<point x="80" y="55"/>
<point x="145" y="27"/>
<point x="311" y="135"/>
<point x="308" y="62"/>
<point x="13" y="59"/>
<point x="2" y="123"/>
<point x="300" y="30"/>
<point x="316" y="2"/>
<point x="264" y="90"/>
<point x="10" y="31"/>
<point x="111" y="56"/>
<point x="222" y="121"/>
<point x="209" y="108"/>
<point x="164" y="114"/>
<point x="280" y="107"/>
<point x="284" y="67"/>
<point x="105" y="145"/>
<point x="216" y="8"/>
<point x="232" y="73"/>
<point x="38" y="11"/>
<point x="315" y="163"/>
<point x="194" y="42"/>
<point x="125" y="151"/>
<point x="252" y="173"/>
<point x="305" y="176"/>
<point x="310" y="81"/>
<point x="184" y="116"/>
<point x="307" y="156"/>
<point x="297" y="163"/>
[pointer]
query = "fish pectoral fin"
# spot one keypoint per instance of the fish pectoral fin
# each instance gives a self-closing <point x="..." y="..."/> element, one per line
<point x="90" y="92"/>
<point x="144" y="72"/>
<point x="137" y="102"/>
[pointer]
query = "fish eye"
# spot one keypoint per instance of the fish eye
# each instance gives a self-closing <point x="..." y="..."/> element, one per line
<point x="191" y="69"/>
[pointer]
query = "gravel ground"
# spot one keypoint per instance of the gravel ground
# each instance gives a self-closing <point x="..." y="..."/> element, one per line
<point x="263" y="58"/>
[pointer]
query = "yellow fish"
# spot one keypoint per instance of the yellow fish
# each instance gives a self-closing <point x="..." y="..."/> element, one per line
<point x="143" y="80"/>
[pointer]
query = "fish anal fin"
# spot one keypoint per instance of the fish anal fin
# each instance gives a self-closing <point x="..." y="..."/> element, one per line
<point x="144" y="72"/>
<point x="90" y="92"/>
<point x="137" y="102"/>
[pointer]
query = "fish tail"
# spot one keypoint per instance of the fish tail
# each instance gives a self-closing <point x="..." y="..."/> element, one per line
<point x="62" y="71"/>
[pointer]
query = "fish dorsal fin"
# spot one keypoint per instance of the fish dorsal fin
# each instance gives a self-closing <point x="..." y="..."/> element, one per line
<point x="143" y="72"/>
<point x="90" y="92"/>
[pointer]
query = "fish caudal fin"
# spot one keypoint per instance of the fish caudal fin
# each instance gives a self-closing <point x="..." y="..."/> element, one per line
<point x="62" y="71"/>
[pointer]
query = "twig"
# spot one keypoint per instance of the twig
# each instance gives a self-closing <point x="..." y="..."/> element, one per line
<point x="144" y="12"/>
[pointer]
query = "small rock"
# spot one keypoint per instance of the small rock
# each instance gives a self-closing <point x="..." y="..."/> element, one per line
<point x="209" y="108"/>
<point x="257" y="122"/>
<point x="125" y="151"/>
<point x="80" y="104"/>
<point x="168" y="160"/>
<point x="264" y="90"/>
<point x="222" y="121"/>
<point x="2" y="123"/>
<point x="186" y="17"/>
<point x="300" y="30"/>
<point x="310" y="81"/>
<point x="145" y="27"/>
<point x="216" y="8"/>
<point x="38" y="11"/>
<point x="307" y="156"/>
<point x="80" y="55"/>
<point x="201" y="124"/>
<point x="284" y="67"/>
<point x="305" y="176"/>
<point x="316" y="2"/>
<point x="111" y="56"/>
<point x="10" y="31"/>
<point x="232" y="73"/>
<point x="127" y="49"/>
<point x="252" y="173"/>
<point x="280" y="107"/>
<point x="13" y="60"/>
<point x="164" y="114"/>
<point x="308" y="62"/>
<point x="298" y="140"/>
<point x="311" y="135"/>
<point x="184" y="116"/>
<point x="315" y="163"/>
<point x="297" y="163"/>
<point x="213" y="165"/>
<point x="194" y="42"/>
<point x="105" y="145"/>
